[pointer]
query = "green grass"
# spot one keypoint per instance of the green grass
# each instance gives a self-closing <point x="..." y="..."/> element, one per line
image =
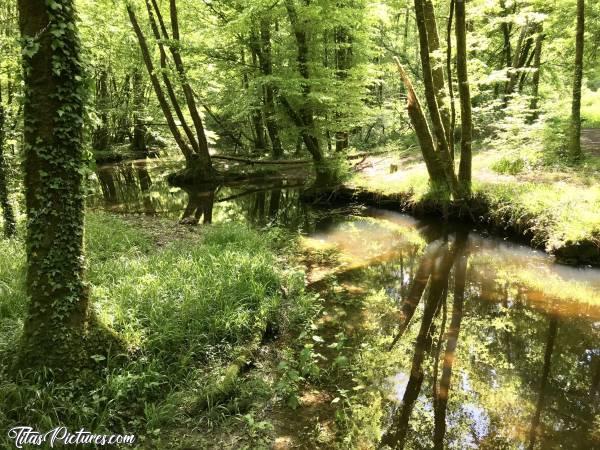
<point x="558" y="203"/>
<point x="184" y="310"/>
<point x="590" y="108"/>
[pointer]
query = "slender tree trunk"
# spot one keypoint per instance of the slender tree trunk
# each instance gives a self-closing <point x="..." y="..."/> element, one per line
<point x="535" y="82"/>
<point x="434" y="166"/>
<point x="201" y="162"/>
<point x="432" y="104"/>
<point x="464" y="172"/>
<point x="8" y="214"/>
<point x="100" y="134"/>
<point x="439" y="83"/>
<point x="158" y="91"/>
<point x="266" y="65"/>
<point x="575" y="138"/>
<point x="55" y="325"/>
<point x="138" y="141"/>
<point x="304" y="118"/>
<point x="507" y="49"/>
<point x="450" y="83"/>
<point x="343" y="63"/>
<point x="256" y="112"/>
<point x="203" y="154"/>
<point x="167" y="82"/>
<point x="519" y="59"/>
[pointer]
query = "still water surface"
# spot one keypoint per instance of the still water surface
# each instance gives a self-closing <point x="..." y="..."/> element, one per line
<point x="431" y="336"/>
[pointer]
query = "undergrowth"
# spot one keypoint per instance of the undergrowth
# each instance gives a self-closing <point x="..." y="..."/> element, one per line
<point x="184" y="310"/>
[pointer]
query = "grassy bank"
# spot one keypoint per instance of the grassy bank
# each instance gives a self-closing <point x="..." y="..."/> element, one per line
<point x="553" y="206"/>
<point x="193" y="308"/>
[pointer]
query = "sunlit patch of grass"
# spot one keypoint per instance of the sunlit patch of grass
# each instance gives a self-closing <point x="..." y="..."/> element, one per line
<point x="590" y="108"/>
<point x="184" y="310"/>
<point x="560" y="205"/>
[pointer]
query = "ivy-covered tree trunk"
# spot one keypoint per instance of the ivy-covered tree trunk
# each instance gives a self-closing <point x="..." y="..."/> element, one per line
<point x="8" y="214"/>
<point x="575" y="137"/>
<point x="53" y="115"/>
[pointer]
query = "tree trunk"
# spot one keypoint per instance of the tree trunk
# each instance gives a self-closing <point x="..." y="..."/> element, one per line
<point x="439" y="83"/>
<point x="535" y="82"/>
<point x="507" y="49"/>
<point x="8" y="214"/>
<point x="432" y="104"/>
<point x="203" y="154"/>
<point x="55" y="325"/>
<point x="304" y="118"/>
<point x="167" y="81"/>
<point x="101" y="134"/>
<point x="434" y="166"/>
<point x="450" y="83"/>
<point x="519" y="58"/>
<point x="138" y="141"/>
<point x="266" y="66"/>
<point x="166" y="109"/>
<point x="343" y="63"/>
<point x="464" y="172"/>
<point x="575" y="138"/>
<point x="256" y="117"/>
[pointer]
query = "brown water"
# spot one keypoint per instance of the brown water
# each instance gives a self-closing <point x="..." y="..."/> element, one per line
<point x="431" y="336"/>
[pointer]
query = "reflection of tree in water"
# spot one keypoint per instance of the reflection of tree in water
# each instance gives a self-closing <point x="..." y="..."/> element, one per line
<point x="107" y="184"/>
<point x="517" y="390"/>
<point x="433" y="273"/>
<point x="134" y="187"/>
<point x="145" y="184"/>
<point x="535" y="423"/>
<point x="201" y="200"/>
<point x="126" y="184"/>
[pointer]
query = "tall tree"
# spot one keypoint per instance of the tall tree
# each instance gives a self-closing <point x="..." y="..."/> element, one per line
<point x="535" y="82"/>
<point x="196" y="151"/>
<point x="304" y="117"/>
<point x="53" y="114"/>
<point x="575" y="138"/>
<point x="466" y="120"/>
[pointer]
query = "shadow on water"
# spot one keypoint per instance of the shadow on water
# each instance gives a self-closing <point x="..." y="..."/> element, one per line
<point x="431" y="336"/>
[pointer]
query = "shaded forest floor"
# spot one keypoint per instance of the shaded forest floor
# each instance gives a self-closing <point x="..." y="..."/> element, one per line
<point x="554" y="205"/>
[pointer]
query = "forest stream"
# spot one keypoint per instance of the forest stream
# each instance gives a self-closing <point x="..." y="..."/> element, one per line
<point x="428" y="333"/>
